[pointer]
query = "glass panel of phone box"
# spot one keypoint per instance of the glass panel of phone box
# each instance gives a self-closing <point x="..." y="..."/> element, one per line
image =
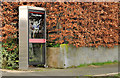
<point x="36" y="31"/>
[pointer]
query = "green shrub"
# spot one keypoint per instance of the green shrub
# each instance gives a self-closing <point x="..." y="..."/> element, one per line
<point x="53" y="45"/>
<point x="10" y="55"/>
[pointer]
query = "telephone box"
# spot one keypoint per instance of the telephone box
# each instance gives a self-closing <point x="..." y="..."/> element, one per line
<point x="32" y="36"/>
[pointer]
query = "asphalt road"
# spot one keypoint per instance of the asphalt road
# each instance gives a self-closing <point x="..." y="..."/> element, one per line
<point x="81" y="71"/>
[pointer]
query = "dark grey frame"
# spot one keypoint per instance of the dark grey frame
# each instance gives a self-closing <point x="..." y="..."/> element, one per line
<point x="44" y="53"/>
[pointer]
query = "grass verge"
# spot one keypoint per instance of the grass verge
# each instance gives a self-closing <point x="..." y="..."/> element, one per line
<point x="98" y="64"/>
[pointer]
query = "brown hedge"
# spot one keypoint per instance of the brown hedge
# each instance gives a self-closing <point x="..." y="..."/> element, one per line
<point x="77" y="23"/>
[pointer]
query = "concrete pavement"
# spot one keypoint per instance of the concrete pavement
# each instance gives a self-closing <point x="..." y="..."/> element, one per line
<point x="81" y="71"/>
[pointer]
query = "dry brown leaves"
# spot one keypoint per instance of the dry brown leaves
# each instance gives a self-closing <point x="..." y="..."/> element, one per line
<point x="77" y="23"/>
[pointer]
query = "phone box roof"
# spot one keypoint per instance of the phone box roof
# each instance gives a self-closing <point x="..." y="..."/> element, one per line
<point x="31" y="7"/>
